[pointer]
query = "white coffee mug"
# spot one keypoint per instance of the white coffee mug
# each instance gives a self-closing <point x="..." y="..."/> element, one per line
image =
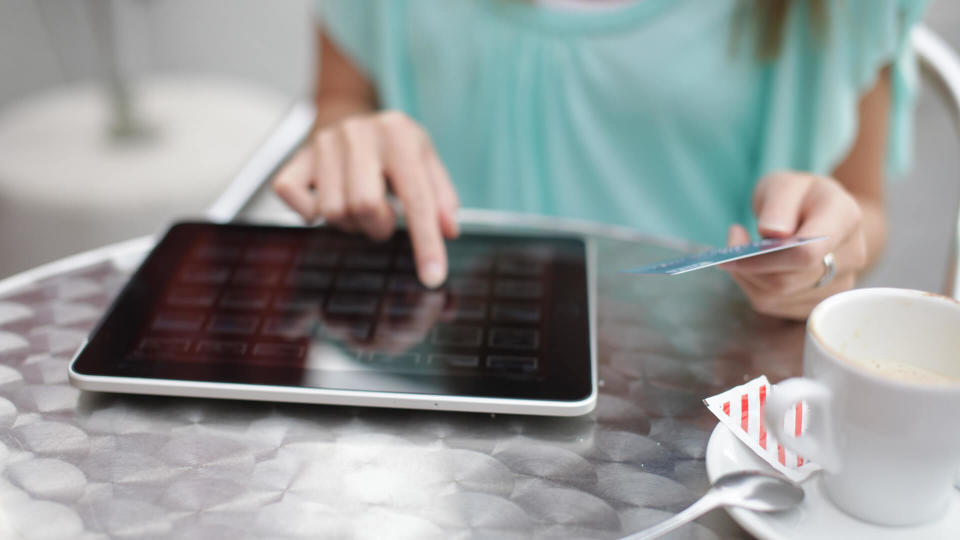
<point x="882" y="381"/>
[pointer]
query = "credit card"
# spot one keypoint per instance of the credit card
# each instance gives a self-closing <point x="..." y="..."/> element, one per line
<point x="722" y="255"/>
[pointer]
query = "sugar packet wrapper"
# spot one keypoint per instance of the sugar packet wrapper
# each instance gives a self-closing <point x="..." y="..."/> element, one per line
<point x="741" y="410"/>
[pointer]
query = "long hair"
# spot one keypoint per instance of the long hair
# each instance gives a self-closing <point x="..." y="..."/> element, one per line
<point x="770" y="18"/>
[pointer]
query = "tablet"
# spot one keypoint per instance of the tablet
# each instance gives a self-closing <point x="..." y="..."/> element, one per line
<point x="312" y="314"/>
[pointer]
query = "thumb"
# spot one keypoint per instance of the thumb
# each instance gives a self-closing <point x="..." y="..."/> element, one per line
<point x="779" y="207"/>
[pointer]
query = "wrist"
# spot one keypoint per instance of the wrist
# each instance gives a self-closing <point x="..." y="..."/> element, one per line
<point x="333" y="109"/>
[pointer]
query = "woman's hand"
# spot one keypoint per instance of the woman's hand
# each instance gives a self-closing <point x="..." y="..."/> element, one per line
<point x="798" y="204"/>
<point x="346" y="170"/>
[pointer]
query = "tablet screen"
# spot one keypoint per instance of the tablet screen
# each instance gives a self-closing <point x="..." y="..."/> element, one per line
<point x="319" y="308"/>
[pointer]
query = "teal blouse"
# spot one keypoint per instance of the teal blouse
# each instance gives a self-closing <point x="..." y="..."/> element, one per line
<point x="658" y="115"/>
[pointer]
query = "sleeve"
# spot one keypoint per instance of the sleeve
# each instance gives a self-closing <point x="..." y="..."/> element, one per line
<point x="817" y="83"/>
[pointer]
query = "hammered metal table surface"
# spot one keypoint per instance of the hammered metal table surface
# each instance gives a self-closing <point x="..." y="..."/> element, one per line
<point x="89" y="465"/>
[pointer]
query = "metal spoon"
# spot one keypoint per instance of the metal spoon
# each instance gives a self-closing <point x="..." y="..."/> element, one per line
<point x="753" y="490"/>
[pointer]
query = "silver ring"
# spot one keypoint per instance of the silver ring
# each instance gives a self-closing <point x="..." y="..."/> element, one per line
<point x="829" y="270"/>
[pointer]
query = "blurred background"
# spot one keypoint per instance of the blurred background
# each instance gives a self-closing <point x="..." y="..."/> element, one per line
<point x="205" y="81"/>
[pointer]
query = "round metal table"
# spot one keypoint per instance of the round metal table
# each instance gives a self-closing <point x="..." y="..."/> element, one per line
<point x="88" y="465"/>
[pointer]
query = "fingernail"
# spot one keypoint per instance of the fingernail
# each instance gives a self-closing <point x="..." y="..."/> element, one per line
<point x="774" y="226"/>
<point x="432" y="274"/>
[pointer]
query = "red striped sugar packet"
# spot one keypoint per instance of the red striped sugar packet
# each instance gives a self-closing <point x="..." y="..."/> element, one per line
<point x="741" y="410"/>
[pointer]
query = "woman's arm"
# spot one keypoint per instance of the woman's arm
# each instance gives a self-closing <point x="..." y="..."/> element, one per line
<point x="862" y="173"/>
<point x="848" y="208"/>
<point x="341" y="90"/>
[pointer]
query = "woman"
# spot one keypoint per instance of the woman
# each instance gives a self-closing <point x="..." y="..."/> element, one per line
<point x="708" y="120"/>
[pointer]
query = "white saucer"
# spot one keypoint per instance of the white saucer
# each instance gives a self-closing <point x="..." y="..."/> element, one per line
<point x="816" y="517"/>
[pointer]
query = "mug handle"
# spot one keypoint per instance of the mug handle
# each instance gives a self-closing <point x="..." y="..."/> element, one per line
<point x="817" y="442"/>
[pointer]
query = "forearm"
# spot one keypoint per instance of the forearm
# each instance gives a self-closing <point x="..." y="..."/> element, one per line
<point x="341" y="88"/>
<point x="863" y="172"/>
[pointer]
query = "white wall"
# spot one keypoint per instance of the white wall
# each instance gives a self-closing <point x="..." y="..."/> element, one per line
<point x="49" y="42"/>
<point x="211" y="76"/>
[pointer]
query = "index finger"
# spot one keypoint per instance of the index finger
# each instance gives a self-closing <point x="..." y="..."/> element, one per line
<point x="411" y="183"/>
